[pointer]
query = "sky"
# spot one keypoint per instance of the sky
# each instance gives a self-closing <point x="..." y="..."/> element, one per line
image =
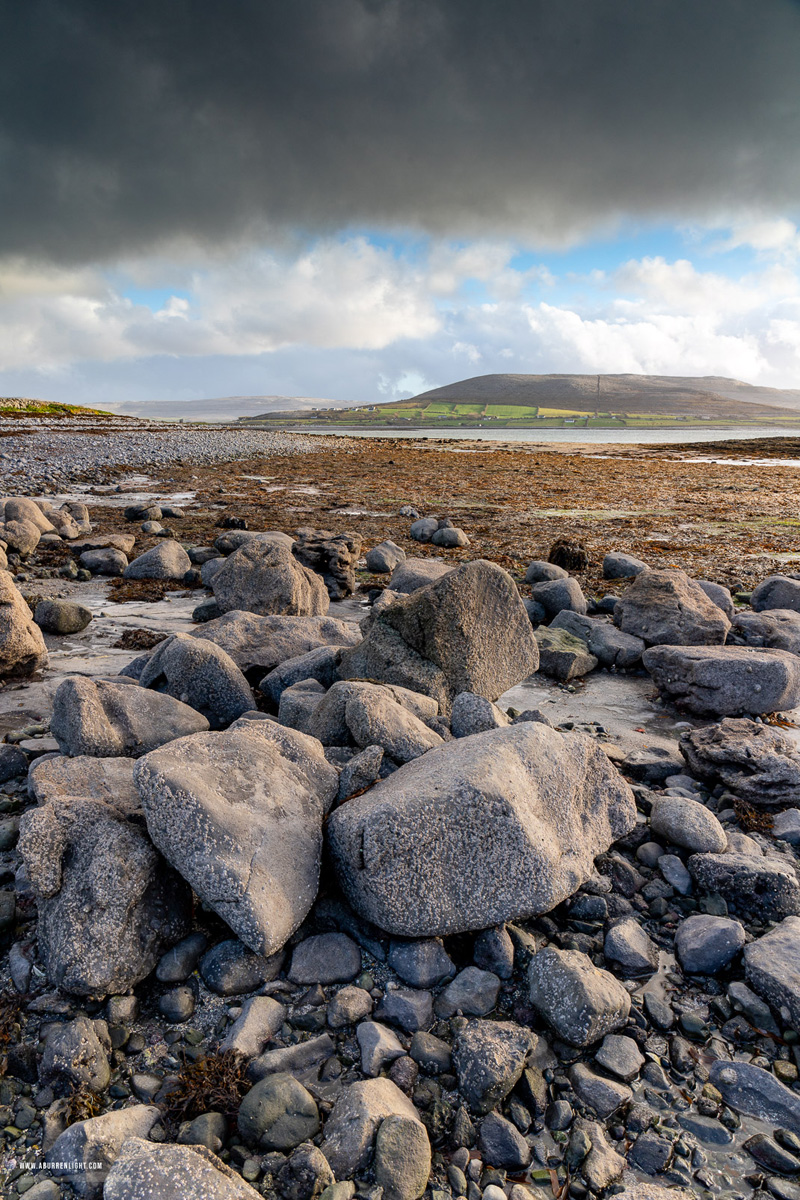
<point x="361" y="199"/>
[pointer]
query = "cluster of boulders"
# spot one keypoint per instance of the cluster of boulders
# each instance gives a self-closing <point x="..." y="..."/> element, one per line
<point x="446" y="947"/>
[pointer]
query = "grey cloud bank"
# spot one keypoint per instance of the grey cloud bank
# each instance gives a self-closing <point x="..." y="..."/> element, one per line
<point x="124" y="128"/>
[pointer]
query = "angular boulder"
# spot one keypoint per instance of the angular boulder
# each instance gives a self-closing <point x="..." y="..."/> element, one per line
<point x="562" y="655"/>
<point x="772" y="967"/>
<point x="108" y="904"/>
<point x="167" y="560"/>
<point x="239" y="814"/>
<point x="757" y="762"/>
<point x="580" y="1002"/>
<point x="482" y="830"/>
<point x="488" y="1059"/>
<point x="383" y="558"/>
<point x="86" y="1150"/>
<point x="760" y="888"/>
<point x="264" y="577"/>
<point x="22" y="648"/>
<point x="469" y="632"/>
<point x="107" y="779"/>
<point x="725" y="681"/>
<point x="108" y="719"/>
<point x="199" y="673"/>
<point x="414" y="573"/>
<point x="667" y="608"/>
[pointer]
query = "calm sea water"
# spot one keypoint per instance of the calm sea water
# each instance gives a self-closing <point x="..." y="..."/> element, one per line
<point x="601" y="436"/>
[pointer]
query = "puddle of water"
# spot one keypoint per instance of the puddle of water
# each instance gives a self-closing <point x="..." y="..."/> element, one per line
<point x="746" y="462"/>
<point x="114" y="499"/>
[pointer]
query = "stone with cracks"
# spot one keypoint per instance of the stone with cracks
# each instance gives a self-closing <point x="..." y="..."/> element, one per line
<point x="581" y="1002"/>
<point x="772" y="967"/>
<point x="331" y="555"/>
<point x="264" y="642"/>
<point x="667" y="608"/>
<point x="147" y="1169"/>
<point x="469" y="632"/>
<point x="354" y="1121"/>
<point x="264" y="577"/>
<point x="108" y="904"/>
<point x="759" y="763"/>
<point x="239" y="814"/>
<point x="108" y="719"/>
<point x="329" y="721"/>
<point x="22" y="648"/>
<point x="167" y="560"/>
<point x="725" y="681"/>
<point x="199" y="673"/>
<point x="375" y="719"/>
<point x="502" y="825"/>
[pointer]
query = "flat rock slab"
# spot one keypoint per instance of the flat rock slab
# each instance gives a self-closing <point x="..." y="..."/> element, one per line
<point x="104" y="541"/>
<point x="772" y="967"/>
<point x="725" y="681"/>
<point x="259" y="641"/>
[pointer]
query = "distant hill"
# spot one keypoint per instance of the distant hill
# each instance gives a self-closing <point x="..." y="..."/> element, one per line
<point x="220" y="408"/>
<point x="706" y="397"/>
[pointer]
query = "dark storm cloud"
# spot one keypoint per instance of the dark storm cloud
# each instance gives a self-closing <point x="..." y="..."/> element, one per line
<point x="129" y="123"/>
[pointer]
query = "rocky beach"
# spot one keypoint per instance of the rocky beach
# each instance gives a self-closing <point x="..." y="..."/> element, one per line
<point x="389" y="819"/>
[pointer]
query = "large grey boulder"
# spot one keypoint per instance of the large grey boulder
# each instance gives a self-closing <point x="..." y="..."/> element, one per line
<point x="581" y="1002"/>
<point x="475" y="714"/>
<point x="145" y="1169"/>
<point x="725" y="681"/>
<point x="720" y="595"/>
<point x="107" y="779"/>
<point x="89" y="1148"/>
<point x="105" y="560"/>
<point x="760" y="888"/>
<point x="22" y="648"/>
<point x="480" y="831"/>
<point x="562" y="655"/>
<point x="231" y="540"/>
<point x="22" y="536"/>
<point x="108" y="904"/>
<point x="609" y="645"/>
<point x="331" y="555"/>
<point x="772" y="967"/>
<point x="61" y="616"/>
<point x="540" y="571"/>
<point x="22" y="508"/>
<point x="777" y="591"/>
<point x="704" y="944"/>
<point x="167" y="560"/>
<point x="239" y="814"/>
<point x="263" y="642"/>
<point x="374" y="718"/>
<point x="757" y="762"/>
<point x="265" y="577"/>
<point x="667" y="608"/>
<point x="320" y="664"/>
<point x="199" y="673"/>
<point x="757" y="1093"/>
<point x="414" y="573"/>
<point x="106" y="719"/>
<point x="776" y="629"/>
<point x="469" y="632"/>
<point x="354" y="1121"/>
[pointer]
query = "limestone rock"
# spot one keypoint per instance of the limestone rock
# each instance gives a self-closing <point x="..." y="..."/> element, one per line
<point x="667" y="608"/>
<point x="264" y="577"/>
<point x="106" y="719"/>
<point x="99" y="1140"/>
<point x="776" y="629"/>
<point x="61" y="616"/>
<point x="777" y="591"/>
<point x="170" y="1172"/>
<point x="415" y="573"/>
<point x="264" y="642"/>
<point x="383" y="558"/>
<point x="479" y="831"/>
<point x="562" y="655"/>
<point x="609" y="645"/>
<point x="239" y="814"/>
<point x="725" y="681"/>
<point x="772" y="967"/>
<point x="108" y="904"/>
<point x="22" y="648"/>
<point x="757" y="762"/>
<point x="107" y="779"/>
<point x="684" y="822"/>
<point x="759" y="887"/>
